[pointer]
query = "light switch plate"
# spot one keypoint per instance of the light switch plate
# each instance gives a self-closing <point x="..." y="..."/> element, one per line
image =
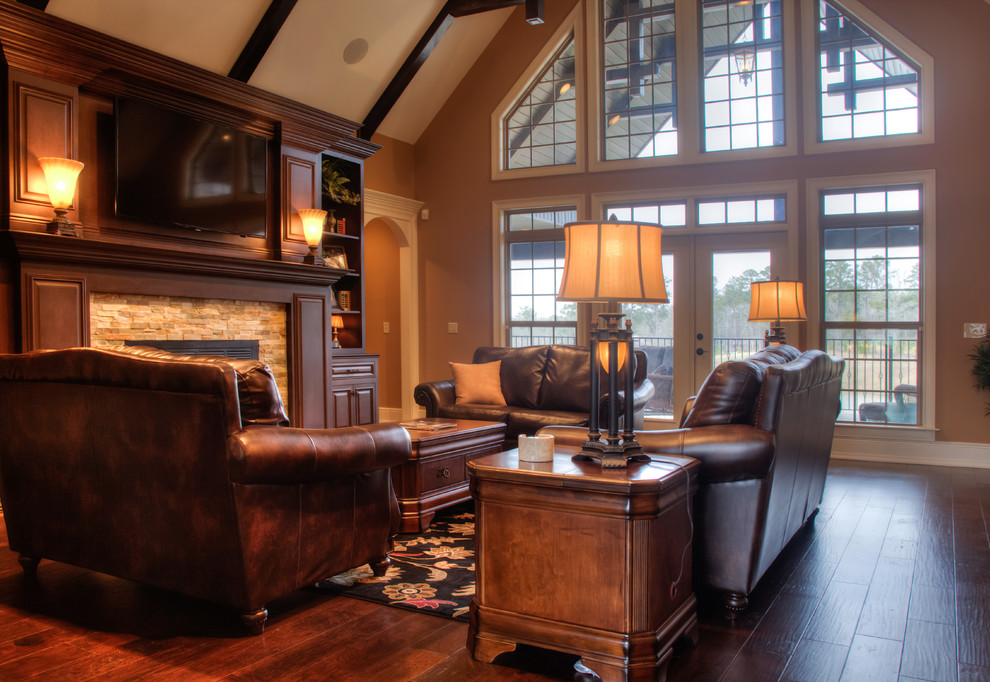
<point x="451" y="327"/>
<point x="974" y="330"/>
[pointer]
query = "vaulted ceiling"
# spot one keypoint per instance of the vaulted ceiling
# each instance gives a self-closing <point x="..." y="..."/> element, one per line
<point x="390" y="64"/>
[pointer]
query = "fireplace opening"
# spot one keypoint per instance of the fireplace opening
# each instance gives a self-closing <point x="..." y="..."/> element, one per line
<point x="246" y="350"/>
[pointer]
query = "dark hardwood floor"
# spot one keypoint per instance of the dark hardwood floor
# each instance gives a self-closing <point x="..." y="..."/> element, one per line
<point x="891" y="582"/>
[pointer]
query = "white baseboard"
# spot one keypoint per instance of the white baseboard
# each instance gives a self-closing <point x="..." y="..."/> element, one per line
<point x="931" y="453"/>
<point x="389" y="414"/>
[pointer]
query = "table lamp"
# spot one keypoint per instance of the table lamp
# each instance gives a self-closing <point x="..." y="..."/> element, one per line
<point x="612" y="262"/>
<point x="775" y="302"/>
<point x="336" y="322"/>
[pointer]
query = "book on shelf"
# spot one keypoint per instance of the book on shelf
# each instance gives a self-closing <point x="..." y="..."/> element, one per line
<point x="427" y="425"/>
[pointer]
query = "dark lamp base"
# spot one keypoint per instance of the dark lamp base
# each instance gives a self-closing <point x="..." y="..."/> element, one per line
<point x="61" y="225"/>
<point x="615" y="455"/>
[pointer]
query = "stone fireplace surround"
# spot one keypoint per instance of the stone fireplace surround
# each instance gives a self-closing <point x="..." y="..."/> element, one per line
<point x="68" y="287"/>
<point x="115" y="318"/>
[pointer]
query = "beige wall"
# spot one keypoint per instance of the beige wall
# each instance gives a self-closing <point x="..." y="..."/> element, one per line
<point x="453" y="179"/>
<point x="392" y="168"/>
<point x="381" y="266"/>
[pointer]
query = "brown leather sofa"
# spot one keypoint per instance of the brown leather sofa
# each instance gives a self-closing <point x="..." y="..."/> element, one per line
<point x="762" y="429"/>
<point x="542" y="385"/>
<point x="182" y="473"/>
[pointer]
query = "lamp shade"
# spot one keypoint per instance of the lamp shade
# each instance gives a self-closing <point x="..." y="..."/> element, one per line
<point x="337" y="321"/>
<point x="612" y="262"/>
<point x="312" y="220"/>
<point x="779" y="300"/>
<point x="61" y="175"/>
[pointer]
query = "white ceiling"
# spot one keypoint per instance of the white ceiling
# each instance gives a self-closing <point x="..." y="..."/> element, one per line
<point x="305" y="62"/>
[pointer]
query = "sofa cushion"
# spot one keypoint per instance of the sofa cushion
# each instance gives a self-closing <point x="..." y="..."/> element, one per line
<point x="567" y="382"/>
<point x="491" y="413"/>
<point x="728" y="395"/>
<point x="478" y="384"/>
<point x="525" y="422"/>
<point x="521" y="371"/>
<point x="257" y="392"/>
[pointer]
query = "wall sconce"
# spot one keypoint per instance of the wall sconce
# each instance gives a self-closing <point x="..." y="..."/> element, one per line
<point x="777" y="301"/>
<point x="336" y="322"/>
<point x="61" y="175"/>
<point x="612" y="262"/>
<point x="312" y="220"/>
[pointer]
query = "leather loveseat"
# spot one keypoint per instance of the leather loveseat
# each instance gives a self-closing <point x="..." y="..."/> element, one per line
<point x="762" y="429"/>
<point x="541" y="385"/>
<point x="182" y="473"/>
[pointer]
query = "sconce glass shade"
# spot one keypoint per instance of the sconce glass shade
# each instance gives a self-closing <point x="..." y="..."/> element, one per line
<point x="614" y="262"/>
<point x="312" y="220"/>
<point x="61" y="176"/>
<point x="777" y="301"/>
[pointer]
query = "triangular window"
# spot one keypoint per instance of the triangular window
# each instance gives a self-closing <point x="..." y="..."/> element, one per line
<point x="867" y="87"/>
<point x="541" y="128"/>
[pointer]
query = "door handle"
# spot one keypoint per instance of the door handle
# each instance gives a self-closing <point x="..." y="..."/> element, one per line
<point x="699" y="351"/>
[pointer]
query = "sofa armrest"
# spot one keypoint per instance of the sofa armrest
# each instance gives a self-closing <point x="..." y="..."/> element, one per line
<point x="267" y="454"/>
<point x="729" y="452"/>
<point x="435" y="394"/>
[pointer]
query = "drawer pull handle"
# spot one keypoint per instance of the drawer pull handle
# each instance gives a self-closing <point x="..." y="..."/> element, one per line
<point x="443" y="473"/>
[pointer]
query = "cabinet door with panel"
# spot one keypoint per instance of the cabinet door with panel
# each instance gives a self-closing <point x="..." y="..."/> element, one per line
<point x="354" y="393"/>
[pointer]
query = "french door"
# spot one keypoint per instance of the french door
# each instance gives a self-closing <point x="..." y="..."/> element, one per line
<point x="708" y="280"/>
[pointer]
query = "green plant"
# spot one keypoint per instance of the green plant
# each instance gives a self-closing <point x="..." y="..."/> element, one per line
<point x="333" y="184"/>
<point x="981" y="367"/>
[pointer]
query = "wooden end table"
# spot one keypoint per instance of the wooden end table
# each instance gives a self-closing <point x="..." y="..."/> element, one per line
<point x="582" y="560"/>
<point x="435" y="475"/>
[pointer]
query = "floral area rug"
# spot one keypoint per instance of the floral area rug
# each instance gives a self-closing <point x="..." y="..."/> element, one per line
<point x="431" y="572"/>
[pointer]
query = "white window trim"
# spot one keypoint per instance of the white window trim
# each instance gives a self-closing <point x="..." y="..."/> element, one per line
<point x="499" y="209"/>
<point x="574" y="23"/>
<point x="926" y="88"/>
<point x="926" y="178"/>
<point x="689" y="86"/>
<point x="788" y="226"/>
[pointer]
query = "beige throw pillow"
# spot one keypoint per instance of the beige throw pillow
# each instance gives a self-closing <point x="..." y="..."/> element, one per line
<point x="480" y="384"/>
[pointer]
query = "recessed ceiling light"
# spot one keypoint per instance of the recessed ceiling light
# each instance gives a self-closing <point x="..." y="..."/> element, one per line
<point x="355" y="51"/>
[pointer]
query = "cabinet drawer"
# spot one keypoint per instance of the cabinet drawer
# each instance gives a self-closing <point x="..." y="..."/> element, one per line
<point x="440" y="473"/>
<point x="360" y="369"/>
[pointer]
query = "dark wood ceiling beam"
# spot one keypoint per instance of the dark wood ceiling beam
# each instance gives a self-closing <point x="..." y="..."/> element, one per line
<point x="462" y="8"/>
<point x="406" y="72"/>
<point x="261" y="39"/>
<point x="451" y="10"/>
<point x="36" y="4"/>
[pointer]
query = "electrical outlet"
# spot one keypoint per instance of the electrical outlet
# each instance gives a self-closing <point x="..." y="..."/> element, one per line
<point x="385" y="328"/>
<point x="451" y="327"/>
<point x="974" y="330"/>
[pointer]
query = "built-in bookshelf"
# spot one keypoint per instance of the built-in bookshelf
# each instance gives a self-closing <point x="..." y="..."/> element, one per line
<point x="343" y="244"/>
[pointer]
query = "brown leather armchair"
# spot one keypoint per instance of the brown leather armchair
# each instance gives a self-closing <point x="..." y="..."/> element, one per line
<point x="182" y="473"/>
<point x="762" y="429"/>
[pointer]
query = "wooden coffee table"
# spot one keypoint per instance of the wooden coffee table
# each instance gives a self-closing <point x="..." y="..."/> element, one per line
<point x="587" y="561"/>
<point x="435" y="475"/>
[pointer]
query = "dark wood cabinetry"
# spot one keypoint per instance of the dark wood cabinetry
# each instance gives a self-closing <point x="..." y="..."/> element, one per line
<point x="354" y="392"/>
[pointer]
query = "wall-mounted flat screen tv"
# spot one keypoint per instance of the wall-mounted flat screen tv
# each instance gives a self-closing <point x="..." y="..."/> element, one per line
<point x="176" y="170"/>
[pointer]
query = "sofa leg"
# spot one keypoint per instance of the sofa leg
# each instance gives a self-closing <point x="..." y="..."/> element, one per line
<point x="735" y="604"/>
<point x="380" y="566"/>
<point x="29" y="564"/>
<point x="254" y="621"/>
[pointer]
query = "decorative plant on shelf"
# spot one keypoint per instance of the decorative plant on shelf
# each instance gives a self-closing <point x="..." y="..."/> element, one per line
<point x="333" y="184"/>
<point x="981" y="367"/>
